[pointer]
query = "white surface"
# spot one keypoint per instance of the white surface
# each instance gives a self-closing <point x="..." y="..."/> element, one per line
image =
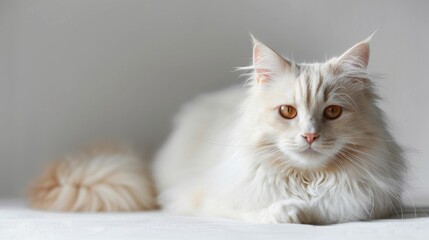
<point x="19" y="222"/>
<point x="75" y="71"/>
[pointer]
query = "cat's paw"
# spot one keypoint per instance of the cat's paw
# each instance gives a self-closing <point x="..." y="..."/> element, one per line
<point x="288" y="211"/>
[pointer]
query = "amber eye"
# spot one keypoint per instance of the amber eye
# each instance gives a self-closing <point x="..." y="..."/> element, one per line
<point x="287" y="111"/>
<point x="333" y="112"/>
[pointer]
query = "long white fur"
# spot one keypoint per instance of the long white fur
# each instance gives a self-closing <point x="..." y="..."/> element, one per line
<point x="228" y="157"/>
<point x="232" y="155"/>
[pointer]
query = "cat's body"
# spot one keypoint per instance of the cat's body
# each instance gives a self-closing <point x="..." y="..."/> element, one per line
<point x="301" y="144"/>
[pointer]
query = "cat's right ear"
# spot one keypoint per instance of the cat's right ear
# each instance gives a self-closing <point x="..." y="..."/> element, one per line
<point x="358" y="55"/>
<point x="267" y="63"/>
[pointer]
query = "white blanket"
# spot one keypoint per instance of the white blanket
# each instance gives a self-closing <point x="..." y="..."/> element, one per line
<point x="19" y="222"/>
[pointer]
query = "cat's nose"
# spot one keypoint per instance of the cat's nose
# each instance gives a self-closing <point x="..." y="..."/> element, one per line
<point x="310" y="137"/>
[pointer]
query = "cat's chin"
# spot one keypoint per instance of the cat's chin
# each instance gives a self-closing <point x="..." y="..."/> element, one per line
<point x="307" y="159"/>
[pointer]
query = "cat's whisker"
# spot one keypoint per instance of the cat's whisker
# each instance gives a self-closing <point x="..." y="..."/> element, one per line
<point x="372" y="168"/>
<point x="371" y="176"/>
<point x="369" y="163"/>
<point x="377" y="149"/>
<point x="370" y="156"/>
<point x="366" y="138"/>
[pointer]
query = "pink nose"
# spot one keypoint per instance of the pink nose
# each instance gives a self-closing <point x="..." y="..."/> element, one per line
<point x="310" y="137"/>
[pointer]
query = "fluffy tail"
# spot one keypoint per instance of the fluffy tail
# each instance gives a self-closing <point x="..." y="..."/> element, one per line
<point x="95" y="180"/>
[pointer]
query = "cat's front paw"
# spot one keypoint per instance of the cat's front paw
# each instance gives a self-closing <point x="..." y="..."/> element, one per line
<point x="288" y="211"/>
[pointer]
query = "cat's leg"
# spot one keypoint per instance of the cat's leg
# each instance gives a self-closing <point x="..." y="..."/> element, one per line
<point x="284" y="211"/>
<point x="201" y="203"/>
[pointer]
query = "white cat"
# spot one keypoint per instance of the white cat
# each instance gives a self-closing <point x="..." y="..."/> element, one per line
<point x="301" y="143"/>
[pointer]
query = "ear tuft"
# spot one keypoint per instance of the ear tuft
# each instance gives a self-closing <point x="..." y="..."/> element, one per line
<point x="266" y="62"/>
<point x="358" y="55"/>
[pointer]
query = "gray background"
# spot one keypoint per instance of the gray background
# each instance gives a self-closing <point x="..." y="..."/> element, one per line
<point x="72" y="72"/>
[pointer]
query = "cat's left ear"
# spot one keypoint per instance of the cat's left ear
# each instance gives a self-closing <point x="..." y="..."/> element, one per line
<point x="267" y="63"/>
<point x="358" y="55"/>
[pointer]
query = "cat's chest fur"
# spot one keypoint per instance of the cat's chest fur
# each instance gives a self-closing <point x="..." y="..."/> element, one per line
<point x="331" y="193"/>
<point x="311" y="186"/>
<point x="327" y="195"/>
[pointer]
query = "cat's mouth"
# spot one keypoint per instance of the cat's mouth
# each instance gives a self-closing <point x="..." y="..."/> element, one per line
<point x="309" y="150"/>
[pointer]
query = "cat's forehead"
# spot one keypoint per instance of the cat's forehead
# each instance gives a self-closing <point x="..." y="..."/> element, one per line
<point x="311" y="84"/>
<point x="310" y="87"/>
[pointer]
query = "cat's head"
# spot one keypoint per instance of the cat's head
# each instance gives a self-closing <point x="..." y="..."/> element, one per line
<point x="311" y="113"/>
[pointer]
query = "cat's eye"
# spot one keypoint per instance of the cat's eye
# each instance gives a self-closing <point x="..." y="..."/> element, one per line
<point x="333" y="112"/>
<point x="287" y="111"/>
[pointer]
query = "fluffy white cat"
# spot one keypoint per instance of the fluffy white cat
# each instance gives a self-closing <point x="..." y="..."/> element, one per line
<point x="300" y="143"/>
